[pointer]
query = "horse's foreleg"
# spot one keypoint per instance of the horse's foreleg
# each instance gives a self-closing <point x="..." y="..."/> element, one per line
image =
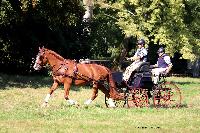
<point x="94" y="94"/>
<point x="67" y="85"/>
<point x="52" y="89"/>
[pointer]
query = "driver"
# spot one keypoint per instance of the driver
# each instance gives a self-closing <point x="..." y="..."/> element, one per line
<point x="163" y="65"/>
<point x="139" y="57"/>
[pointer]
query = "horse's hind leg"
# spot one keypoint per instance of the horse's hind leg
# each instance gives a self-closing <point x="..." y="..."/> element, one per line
<point x="52" y="89"/>
<point x="94" y="94"/>
<point x="104" y="90"/>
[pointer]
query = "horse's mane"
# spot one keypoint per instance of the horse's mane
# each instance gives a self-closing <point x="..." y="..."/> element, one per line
<point x="55" y="54"/>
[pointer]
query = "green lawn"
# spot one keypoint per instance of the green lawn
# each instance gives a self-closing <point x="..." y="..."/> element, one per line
<point x="20" y="111"/>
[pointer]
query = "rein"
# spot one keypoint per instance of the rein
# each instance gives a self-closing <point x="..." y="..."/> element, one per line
<point x="84" y="77"/>
<point x="75" y="75"/>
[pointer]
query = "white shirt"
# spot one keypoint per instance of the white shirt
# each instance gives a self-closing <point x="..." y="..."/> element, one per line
<point x="166" y="59"/>
<point x="142" y="52"/>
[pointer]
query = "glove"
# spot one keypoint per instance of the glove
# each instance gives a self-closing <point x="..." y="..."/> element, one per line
<point x="151" y="66"/>
<point x="128" y="58"/>
<point x="165" y="74"/>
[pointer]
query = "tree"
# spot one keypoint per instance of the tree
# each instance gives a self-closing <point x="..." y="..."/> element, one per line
<point x="27" y="24"/>
<point x="113" y="24"/>
<point x="174" y="23"/>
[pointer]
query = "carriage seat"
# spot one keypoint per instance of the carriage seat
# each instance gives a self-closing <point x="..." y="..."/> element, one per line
<point x="142" y="77"/>
<point x="141" y="74"/>
<point x="144" y="67"/>
<point x="117" y="76"/>
<point x="142" y="71"/>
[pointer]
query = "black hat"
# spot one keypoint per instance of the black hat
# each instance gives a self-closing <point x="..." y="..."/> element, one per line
<point x="161" y="50"/>
<point x="141" y="42"/>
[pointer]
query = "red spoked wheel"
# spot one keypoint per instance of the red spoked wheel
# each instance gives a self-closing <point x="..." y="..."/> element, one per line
<point x="167" y="95"/>
<point x="138" y="97"/>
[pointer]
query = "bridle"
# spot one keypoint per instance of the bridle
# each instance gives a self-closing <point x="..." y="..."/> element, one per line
<point x="75" y="75"/>
<point x="40" y="57"/>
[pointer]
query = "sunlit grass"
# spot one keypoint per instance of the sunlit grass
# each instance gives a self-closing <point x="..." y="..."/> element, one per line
<point x="20" y="110"/>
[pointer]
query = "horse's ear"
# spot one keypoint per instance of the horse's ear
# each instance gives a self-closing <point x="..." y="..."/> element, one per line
<point x="41" y="48"/>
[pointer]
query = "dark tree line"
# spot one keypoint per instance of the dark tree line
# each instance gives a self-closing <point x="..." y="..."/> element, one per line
<point x="110" y="34"/>
<point x="55" y="25"/>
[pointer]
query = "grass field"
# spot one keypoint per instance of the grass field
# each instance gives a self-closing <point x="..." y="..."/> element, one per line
<point x="20" y="111"/>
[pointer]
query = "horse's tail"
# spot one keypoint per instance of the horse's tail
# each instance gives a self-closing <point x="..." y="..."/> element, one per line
<point x="112" y="87"/>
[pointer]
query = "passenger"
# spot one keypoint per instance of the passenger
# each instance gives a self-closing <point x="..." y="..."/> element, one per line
<point x="163" y="65"/>
<point x="139" y="57"/>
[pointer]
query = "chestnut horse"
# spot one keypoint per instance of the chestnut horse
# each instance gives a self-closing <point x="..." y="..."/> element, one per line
<point x="67" y="71"/>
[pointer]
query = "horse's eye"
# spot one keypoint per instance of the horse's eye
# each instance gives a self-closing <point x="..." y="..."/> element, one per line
<point x="40" y="57"/>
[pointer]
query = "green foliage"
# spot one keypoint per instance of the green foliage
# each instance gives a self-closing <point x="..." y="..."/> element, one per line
<point x="174" y="23"/>
<point x="60" y="12"/>
<point x="105" y="37"/>
<point x="54" y="24"/>
<point x="6" y="13"/>
<point x="58" y="25"/>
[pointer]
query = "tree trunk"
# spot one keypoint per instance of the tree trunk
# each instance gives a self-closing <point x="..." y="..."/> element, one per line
<point x="89" y="4"/>
<point x="34" y="2"/>
<point x="124" y="52"/>
<point x="195" y="68"/>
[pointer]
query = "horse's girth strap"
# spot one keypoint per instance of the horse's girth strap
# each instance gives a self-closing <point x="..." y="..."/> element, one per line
<point x="82" y="77"/>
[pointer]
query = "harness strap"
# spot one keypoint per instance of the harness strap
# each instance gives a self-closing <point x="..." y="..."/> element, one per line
<point x="83" y="77"/>
<point x="76" y="74"/>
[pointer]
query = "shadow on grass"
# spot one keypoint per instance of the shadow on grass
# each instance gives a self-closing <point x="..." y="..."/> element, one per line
<point x="36" y="82"/>
<point x="168" y="107"/>
<point x="185" y="83"/>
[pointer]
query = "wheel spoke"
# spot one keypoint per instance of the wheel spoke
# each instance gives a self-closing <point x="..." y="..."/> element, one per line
<point x="167" y="95"/>
<point x="138" y="98"/>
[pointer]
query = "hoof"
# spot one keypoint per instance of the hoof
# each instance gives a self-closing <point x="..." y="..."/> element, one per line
<point x="111" y="103"/>
<point x="112" y="106"/>
<point x="72" y="102"/>
<point x="88" y="102"/>
<point x="45" y="104"/>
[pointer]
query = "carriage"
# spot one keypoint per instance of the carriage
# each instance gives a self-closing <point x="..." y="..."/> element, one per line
<point x="140" y="91"/>
<point x="136" y="93"/>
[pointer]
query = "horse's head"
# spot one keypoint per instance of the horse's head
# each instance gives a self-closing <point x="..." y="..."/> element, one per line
<point x="40" y="60"/>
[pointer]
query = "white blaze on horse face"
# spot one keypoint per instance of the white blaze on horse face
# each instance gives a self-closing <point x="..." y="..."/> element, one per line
<point x="47" y="98"/>
<point x="36" y="65"/>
